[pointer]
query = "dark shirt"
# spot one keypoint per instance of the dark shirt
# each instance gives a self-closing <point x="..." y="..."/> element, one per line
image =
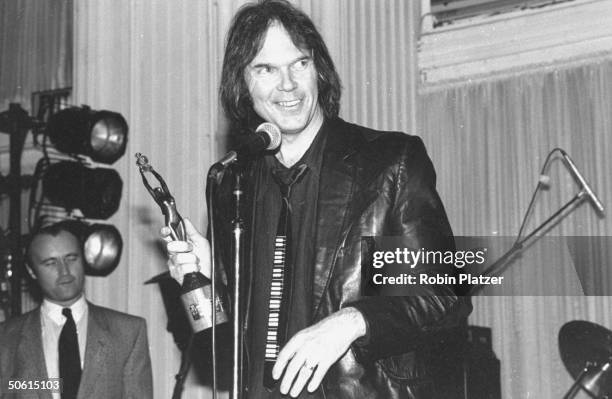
<point x="303" y="205"/>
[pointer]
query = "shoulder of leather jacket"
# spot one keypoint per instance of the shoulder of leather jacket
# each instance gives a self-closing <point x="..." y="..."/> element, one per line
<point x="377" y="145"/>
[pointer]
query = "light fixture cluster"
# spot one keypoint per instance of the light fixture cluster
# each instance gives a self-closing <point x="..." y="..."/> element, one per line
<point x="79" y="181"/>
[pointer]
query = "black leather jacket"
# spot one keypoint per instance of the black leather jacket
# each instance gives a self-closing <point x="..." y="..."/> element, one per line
<point x="373" y="184"/>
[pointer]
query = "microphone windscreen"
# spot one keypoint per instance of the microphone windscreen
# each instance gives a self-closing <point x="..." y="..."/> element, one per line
<point x="273" y="132"/>
<point x="544" y="180"/>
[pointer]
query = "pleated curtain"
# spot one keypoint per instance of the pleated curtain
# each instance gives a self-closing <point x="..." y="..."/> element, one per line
<point x="488" y="140"/>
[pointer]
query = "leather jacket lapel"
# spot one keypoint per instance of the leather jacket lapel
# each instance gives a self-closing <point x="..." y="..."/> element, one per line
<point x="345" y="190"/>
<point x="336" y="187"/>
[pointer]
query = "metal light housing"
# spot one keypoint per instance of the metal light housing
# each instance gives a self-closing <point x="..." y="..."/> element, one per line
<point x="100" y="135"/>
<point x="95" y="192"/>
<point x="102" y="249"/>
<point x="102" y="245"/>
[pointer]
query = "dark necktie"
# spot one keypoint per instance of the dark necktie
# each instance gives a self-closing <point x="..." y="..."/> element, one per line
<point x="69" y="358"/>
<point x="280" y="287"/>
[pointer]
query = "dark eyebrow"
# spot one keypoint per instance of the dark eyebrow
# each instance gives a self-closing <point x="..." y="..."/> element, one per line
<point x="304" y="58"/>
<point x="262" y="65"/>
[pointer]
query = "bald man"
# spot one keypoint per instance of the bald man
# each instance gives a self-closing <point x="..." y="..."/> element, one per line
<point x="97" y="352"/>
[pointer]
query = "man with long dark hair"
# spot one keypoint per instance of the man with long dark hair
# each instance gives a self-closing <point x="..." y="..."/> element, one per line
<point x="329" y="184"/>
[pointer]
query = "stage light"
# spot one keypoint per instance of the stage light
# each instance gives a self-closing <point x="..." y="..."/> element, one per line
<point x="75" y="184"/>
<point x="102" y="249"/>
<point x="100" y="135"/>
<point x="95" y="192"/>
<point x="102" y="245"/>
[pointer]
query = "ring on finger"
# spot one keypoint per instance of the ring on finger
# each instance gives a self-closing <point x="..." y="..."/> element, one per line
<point x="309" y="367"/>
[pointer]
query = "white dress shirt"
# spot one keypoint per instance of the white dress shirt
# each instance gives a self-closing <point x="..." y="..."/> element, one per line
<point x="52" y="322"/>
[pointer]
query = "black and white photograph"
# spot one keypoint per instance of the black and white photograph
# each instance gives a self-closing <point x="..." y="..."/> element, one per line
<point x="314" y="199"/>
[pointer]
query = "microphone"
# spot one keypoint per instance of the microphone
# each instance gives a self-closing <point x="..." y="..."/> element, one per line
<point x="267" y="136"/>
<point x="582" y="182"/>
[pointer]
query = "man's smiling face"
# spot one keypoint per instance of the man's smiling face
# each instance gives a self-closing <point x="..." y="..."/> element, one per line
<point x="282" y="82"/>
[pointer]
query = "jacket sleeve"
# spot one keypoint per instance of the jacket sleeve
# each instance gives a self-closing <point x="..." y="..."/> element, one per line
<point x="398" y="324"/>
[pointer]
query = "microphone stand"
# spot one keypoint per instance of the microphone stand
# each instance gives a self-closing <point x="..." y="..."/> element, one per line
<point x="585" y="193"/>
<point x="212" y="182"/>
<point x="237" y="238"/>
<point x="500" y="264"/>
<point x="183" y="369"/>
<point x="238" y="230"/>
<point x="267" y="136"/>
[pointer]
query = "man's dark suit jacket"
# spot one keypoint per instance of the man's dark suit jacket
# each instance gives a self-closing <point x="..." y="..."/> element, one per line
<point x="372" y="183"/>
<point x="117" y="363"/>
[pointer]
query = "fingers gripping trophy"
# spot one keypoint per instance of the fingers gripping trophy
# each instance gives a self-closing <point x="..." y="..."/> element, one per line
<point x="190" y="254"/>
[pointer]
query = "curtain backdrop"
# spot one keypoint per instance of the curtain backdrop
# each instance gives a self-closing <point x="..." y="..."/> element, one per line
<point x="35" y="54"/>
<point x="35" y="48"/>
<point x="488" y="141"/>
